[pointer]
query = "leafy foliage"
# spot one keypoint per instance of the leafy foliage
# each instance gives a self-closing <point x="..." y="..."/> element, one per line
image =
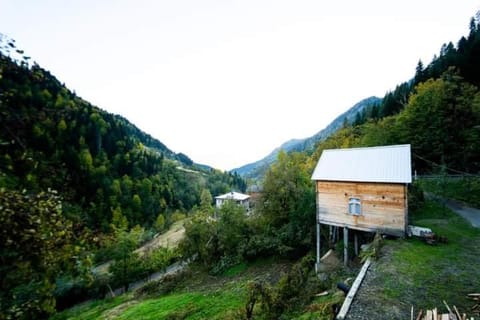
<point x="38" y="244"/>
<point x="288" y="200"/>
<point x="294" y="288"/>
<point x="450" y="108"/>
<point x="51" y="138"/>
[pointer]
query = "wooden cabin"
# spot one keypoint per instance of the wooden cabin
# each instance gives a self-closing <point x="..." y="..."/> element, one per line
<point x="364" y="189"/>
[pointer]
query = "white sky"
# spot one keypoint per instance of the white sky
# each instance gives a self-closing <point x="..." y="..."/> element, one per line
<point x="226" y="82"/>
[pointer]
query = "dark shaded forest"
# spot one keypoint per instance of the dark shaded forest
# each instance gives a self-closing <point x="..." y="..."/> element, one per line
<point x="61" y="156"/>
<point x="97" y="161"/>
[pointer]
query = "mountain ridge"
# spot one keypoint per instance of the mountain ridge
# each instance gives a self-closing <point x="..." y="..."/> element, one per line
<point x="255" y="170"/>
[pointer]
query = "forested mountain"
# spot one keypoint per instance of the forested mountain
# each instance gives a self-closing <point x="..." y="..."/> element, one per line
<point x="257" y="169"/>
<point x="77" y="182"/>
<point x="462" y="60"/>
<point x="437" y="112"/>
<point x="98" y="162"/>
<point x="109" y="176"/>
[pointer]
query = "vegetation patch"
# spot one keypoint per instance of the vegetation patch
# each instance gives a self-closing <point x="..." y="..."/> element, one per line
<point x="413" y="273"/>
<point x="235" y="270"/>
<point x="465" y="189"/>
<point x="92" y="309"/>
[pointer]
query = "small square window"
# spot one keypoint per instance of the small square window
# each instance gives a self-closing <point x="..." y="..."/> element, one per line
<point x="354" y="206"/>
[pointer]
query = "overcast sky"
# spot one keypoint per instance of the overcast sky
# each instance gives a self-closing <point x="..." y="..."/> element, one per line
<point x="226" y="82"/>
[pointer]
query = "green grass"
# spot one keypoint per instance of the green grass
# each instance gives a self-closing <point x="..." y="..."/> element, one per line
<point x="235" y="270"/>
<point x="409" y="272"/>
<point x="466" y="189"/>
<point x="203" y="296"/>
<point x="424" y="275"/>
<point x="185" y="305"/>
<point x="199" y="296"/>
<point x="91" y="310"/>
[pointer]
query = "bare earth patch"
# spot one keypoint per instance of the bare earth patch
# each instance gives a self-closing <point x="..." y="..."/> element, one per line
<point x="170" y="239"/>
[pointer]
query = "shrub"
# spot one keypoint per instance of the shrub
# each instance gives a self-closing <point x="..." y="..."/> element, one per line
<point x="164" y="285"/>
<point x="295" y="287"/>
<point x="177" y="216"/>
<point x="415" y="197"/>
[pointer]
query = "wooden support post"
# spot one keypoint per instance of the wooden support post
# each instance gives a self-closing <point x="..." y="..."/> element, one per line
<point x="317" y="265"/>
<point x="330" y="234"/>
<point x="345" y="246"/>
<point x="355" y="242"/>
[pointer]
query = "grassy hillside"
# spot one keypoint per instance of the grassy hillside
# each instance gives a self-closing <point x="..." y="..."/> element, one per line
<point x="95" y="172"/>
<point x="408" y="273"/>
<point x="98" y="161"/>
<point x="199" y="295"/>
<point x="412" y="273"/>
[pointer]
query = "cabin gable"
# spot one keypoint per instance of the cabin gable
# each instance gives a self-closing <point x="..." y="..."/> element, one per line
<point x="365" y="206"/>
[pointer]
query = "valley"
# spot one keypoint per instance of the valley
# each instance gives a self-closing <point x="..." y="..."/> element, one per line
<point x="82" y="189"/>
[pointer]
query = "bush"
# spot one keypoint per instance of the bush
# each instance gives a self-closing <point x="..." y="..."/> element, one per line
<point x="415" y="197"/>
<point x="294" y="288"/>
<point x="224" y="264"/>
<point x="164" y="285"/>
<point x="73" y="291"/>
<point x="177" y="216"/>
<point x="159" y="259"/>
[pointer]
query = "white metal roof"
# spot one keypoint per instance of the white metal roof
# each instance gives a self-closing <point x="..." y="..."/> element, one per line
<point x="233" y="196"/>
<point x="375" y="164"/>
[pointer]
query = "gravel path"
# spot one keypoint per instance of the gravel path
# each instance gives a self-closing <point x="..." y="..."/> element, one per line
<point x="177" y="266"/>
<point x="468" y="213"/>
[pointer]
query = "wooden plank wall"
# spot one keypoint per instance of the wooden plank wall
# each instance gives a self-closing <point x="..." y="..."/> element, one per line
<point x="384" y="206"/>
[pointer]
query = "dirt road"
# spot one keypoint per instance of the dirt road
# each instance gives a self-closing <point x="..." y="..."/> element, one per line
<point x="468" y="213"/>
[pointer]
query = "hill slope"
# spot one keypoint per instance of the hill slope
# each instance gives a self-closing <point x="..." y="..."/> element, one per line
<point x="256" y="169"/>
<point x="99" y="162"/>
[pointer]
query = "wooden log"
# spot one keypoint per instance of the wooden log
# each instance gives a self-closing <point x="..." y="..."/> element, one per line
<point x="448" y="308"/>
<point x="419" y="315"/>
<point x="351" y="294"/>
<point x="429" y="315"/>
<point x="457" y="312"/>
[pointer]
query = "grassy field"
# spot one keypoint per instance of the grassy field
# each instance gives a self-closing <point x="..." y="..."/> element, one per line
<point x="465" y="189"/>
<point x="202" y="296"/>
<point x="413" y="273"/>
<point x="408" y="273"/>
<point x="198" y="296"/>
<point x="214" y="304"/>
<point x="444" y="271"/>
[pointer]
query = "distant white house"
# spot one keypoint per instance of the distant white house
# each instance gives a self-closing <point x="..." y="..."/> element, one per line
<point x="239" y="198"/>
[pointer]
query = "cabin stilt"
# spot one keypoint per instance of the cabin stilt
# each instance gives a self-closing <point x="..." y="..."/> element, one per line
<point x="345" y="246"/>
